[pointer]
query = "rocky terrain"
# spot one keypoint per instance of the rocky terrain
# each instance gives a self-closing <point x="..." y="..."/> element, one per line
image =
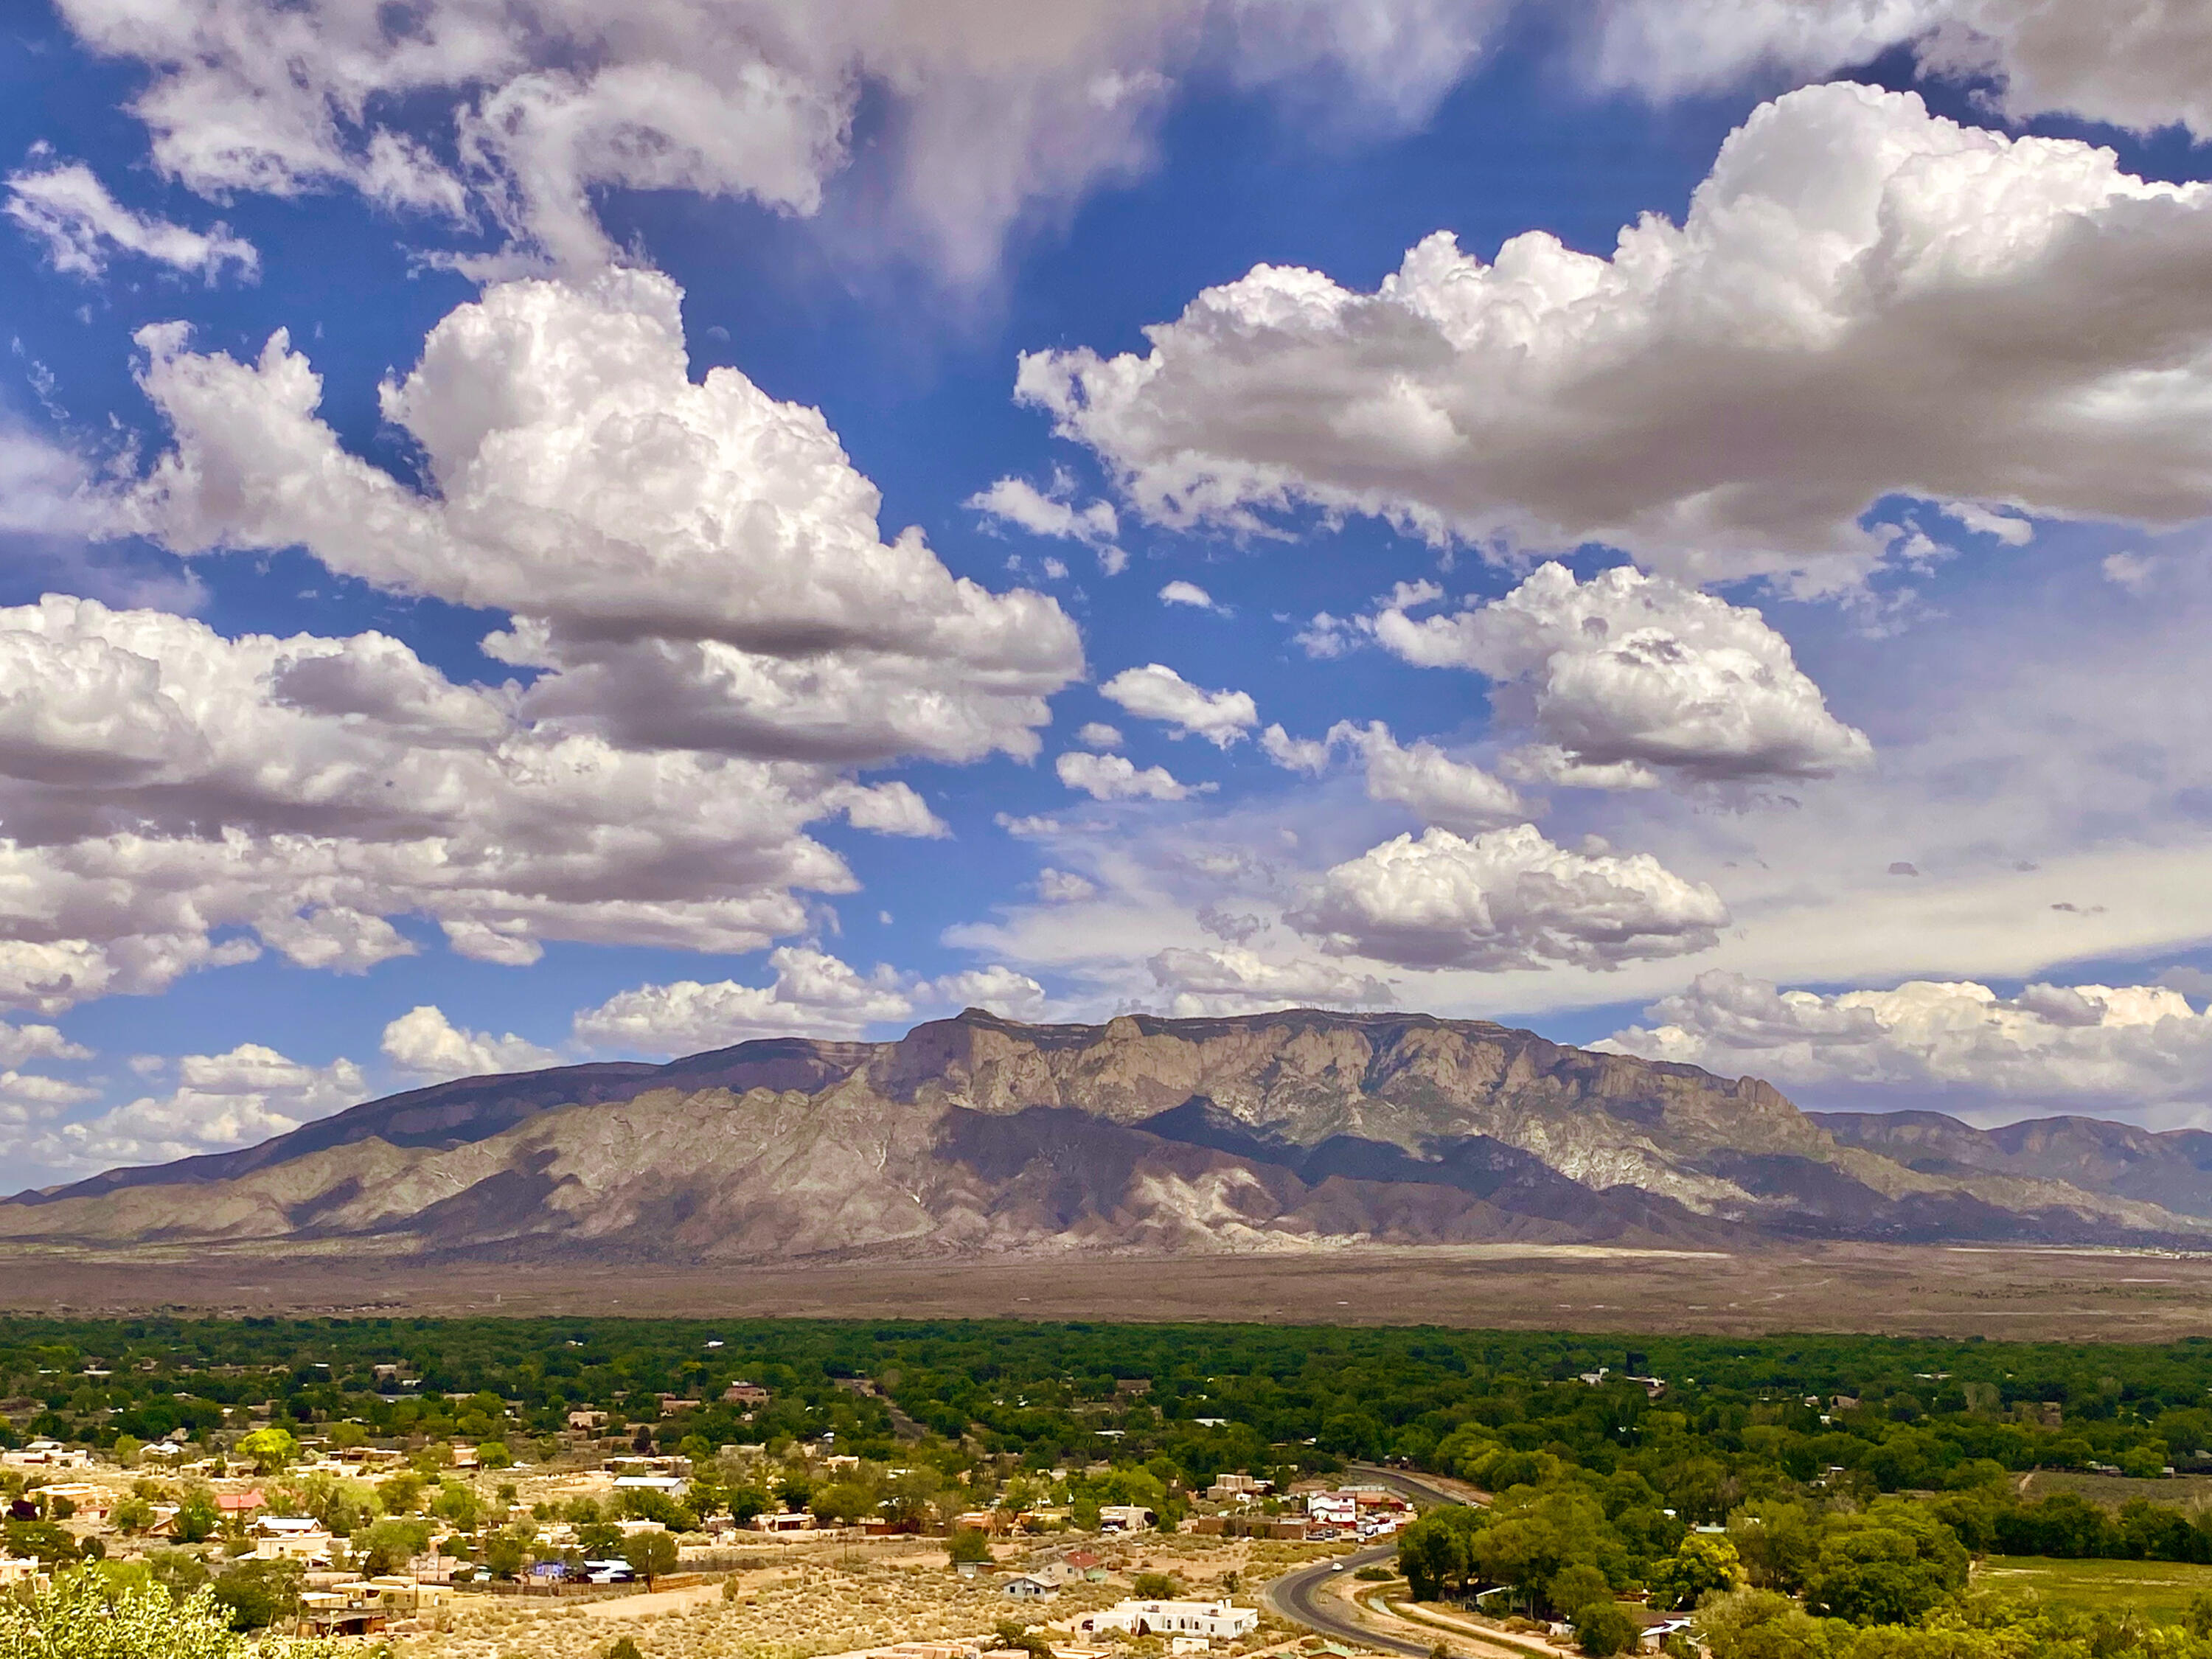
<point x="979" y="1136"/>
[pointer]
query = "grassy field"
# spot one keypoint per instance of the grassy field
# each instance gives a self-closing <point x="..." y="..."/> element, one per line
<point x="2186" y="1491"/>
<point x="2159" y="1590"/>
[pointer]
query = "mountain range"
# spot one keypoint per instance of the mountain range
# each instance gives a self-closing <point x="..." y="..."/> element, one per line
<point x="1300" y="1130"/>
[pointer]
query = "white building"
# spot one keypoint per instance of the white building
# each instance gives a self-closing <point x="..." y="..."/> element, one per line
<point x="47" y="1455"/>
<point x="1333" y="1508"/>
<point x="1124" y="1517"/>
<point x="1216" y="1621"/>
<point x="287" y="1538"/>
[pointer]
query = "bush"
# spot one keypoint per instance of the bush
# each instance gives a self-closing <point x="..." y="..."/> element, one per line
<point x="84" y="1615"/>
<point x="1607" y="1628"/>
<point x="1153" y="1587"/>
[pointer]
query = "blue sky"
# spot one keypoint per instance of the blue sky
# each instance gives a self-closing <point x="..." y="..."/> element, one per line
<point x="1853" y="742"/>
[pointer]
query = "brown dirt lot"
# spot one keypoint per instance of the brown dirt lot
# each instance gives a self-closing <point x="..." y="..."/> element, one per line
<point x="1929" y="1290"/>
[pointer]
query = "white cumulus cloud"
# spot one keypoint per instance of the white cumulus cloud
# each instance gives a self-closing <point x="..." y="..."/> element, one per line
<point x="1064" y="887"/>
<point x="1054" y="513"/>
<point x="426" y="1043"/>
<point x="64" y="206"/>
<point x="1636" y="672"/>
<point x="523" y="111"/>
<point x="1506" y="899"/>
<point x="1232" y="980"/>
<point x="162" y="784"/>
<point x="1188" y="593"/>
<point x="1954" y="1044"/>
<point x="692" y="565"/>
<point x="1721" y="397"/>
<point x="1156" y="692"/>
<point x="1116" y="777"/>
<point x="1432" y="784"/>
<point x="814" y="995"/>
<point x="2136" y="64"/>
<point x="221" y="1102"/>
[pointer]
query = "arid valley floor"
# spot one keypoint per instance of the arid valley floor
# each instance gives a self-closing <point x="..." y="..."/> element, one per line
<point x="2047" y="1294"/>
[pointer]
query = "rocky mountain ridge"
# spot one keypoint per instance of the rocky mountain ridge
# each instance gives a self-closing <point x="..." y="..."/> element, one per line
<point x="1297" y="1130"/>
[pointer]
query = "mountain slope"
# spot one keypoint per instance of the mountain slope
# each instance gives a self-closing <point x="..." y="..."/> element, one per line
<point x="2171" y="1168"/>
<point x="1289" y="1131"/>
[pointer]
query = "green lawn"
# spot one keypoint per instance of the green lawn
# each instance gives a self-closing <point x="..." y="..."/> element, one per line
<point x="2159" y="1590"/>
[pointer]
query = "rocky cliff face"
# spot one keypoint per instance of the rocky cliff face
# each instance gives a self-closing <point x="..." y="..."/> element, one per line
<point x="1292" y="1131"/>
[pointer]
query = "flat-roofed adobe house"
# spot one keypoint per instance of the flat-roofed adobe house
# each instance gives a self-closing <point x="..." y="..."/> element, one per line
<point x="1217" y="1621"/>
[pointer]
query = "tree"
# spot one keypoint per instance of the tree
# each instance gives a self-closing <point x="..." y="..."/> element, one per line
<point x="1153" y="1586"/>
<point x="1700" y="1564"/>
<point x="1887" y="1566"/>
<point x="495" y="1455"/>
<point x="1575" y="1587"/>
<point x="197" y="1518"/>
<point x="127" y="1450"/>
<point x="50" y="1541"/>
<point x="843" y="1502"/>
<point x="1778" y="1543"/>
<point x="969" y="1544"/>
<point x="504" y="1555"/>
<point x="459" y="1504"/>
<point x="793" y="1490"/>
<point x="650" y="1554"/>
<point x="391" y="1544"/>
<point x="745" y="1502"/>
<point x="270" y="1450"/>
<point x="1607" y="1628"/>
<point x="1435" y="1553"/>
<point x="625" y="1647"/>
<point x="400" y="1493"/>
<point x="258" y="1593"/>
<point x="1757" y="1624"/>
<point x="86" y="1614"/>
<point x="132" y="1514"/>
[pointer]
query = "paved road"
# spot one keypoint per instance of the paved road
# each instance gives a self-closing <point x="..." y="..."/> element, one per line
<point x="1297" y="1595"/>
<point x="1416" y="1488"/>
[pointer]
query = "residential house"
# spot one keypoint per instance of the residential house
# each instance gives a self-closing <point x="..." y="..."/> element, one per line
<point x="19" y="1569"/>
<point x="587" y="1422"/>
<point x="1124" y="1517"/>
<point x="1028" y="1587"/>
<point x="45" y="1455"/>
<point x="251" y="1501"/>
<point x="1333" y="1508"/>
<point x="291" y="1537"/>
<point x="742" y="1393"/>
<point x="361" y="1607"/>
<point x="1218" y="1621"/>
<point x="1228" y="1486"/>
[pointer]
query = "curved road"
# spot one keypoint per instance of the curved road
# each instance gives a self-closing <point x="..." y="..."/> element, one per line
<point x="1419" y="1489"/>
<point x="1297" y="1595"/>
